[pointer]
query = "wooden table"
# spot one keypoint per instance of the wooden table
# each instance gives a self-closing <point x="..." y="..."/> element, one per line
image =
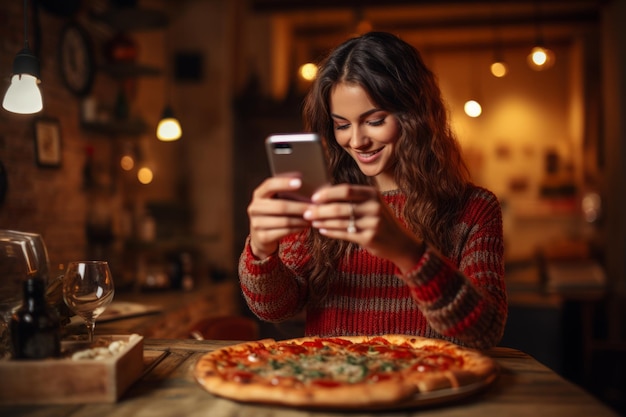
<point x="167" y="388"/>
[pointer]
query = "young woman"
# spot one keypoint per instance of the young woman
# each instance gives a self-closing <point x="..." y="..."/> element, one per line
<point x="402" y="242"/>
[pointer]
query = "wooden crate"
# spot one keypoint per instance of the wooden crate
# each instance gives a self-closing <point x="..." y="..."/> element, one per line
<point x="67" y="381"/>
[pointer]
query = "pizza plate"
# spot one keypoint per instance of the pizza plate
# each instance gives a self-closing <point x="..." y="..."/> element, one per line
<point x="436" y="398"/>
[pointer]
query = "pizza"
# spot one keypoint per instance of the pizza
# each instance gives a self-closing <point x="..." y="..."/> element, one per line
<point x="342" y="372"/>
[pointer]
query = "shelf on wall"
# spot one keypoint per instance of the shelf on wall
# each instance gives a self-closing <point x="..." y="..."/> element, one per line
<point x="129" y="70"/>
<point x="132" y="18"/>
<point x="116" y="127"/>
<point x="172" y="241"/>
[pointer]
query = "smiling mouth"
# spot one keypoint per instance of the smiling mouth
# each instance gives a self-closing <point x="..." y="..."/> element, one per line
<point x="366" y="155"/>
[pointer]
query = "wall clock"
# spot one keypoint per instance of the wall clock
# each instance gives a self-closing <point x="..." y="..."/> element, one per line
<point x="76" y="59"/>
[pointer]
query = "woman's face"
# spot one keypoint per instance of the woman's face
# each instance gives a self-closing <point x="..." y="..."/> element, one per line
<point x="368" y="133"/>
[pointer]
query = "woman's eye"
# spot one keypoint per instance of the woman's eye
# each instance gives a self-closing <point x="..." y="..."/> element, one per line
<point x="376" y="122"/>
<point x="341" y="127"/>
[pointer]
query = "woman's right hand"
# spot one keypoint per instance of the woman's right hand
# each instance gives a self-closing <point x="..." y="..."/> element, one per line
<point x="273" y="218"/>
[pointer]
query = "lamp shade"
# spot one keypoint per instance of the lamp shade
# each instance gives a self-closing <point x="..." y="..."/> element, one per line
<point x="23" y="95"/>
<point x="168" y="129"/>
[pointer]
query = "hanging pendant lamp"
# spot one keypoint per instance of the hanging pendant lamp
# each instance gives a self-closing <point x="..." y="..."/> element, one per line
<point x="168" y="129"/>
<point x="23" y="95"/>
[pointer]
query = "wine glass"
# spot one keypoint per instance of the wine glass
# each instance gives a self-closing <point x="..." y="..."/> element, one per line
<point x="18" y="262"/>
<point x="88" y="290"/>
<point x="36" y="251"/>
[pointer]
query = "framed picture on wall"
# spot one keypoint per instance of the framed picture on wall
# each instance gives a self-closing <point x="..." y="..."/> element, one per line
<point x="48" y="142"/>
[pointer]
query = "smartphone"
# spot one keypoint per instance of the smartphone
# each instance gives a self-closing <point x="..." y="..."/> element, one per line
<point x="302" y="155"/>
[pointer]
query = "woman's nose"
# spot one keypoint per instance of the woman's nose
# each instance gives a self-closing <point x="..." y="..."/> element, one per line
<point x="358" y="138"/>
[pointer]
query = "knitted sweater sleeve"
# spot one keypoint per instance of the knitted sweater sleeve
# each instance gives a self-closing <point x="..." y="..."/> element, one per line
<point x="467" y="303"/>
<point x="271" y="288"/>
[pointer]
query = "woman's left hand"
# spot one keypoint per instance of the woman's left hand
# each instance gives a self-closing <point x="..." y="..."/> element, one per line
<point x="357" y="214"/>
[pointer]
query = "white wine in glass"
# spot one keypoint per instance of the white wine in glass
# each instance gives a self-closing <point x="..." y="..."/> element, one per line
<point x="88" y="290"/>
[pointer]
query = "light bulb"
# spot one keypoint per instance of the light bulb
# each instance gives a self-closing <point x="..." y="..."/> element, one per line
<point x="145" y="175"/>
<point x="498" y="69"/>
<point x="472" y="108"/>
<point x="169" y="130"/>
<point x="308" y="71"/>
<point x="540" y="58"/>
<point x="23" y="95"/>
<point x="127" y="162"/>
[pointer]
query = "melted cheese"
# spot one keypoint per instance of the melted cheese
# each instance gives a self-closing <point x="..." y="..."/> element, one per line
<point x="331" y="363"/>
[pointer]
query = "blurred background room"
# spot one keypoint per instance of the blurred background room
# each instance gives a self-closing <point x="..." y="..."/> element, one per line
<point x="91" y="174"/>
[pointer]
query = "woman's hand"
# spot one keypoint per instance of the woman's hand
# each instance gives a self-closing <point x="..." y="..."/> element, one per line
<point x="356" y="213"/>
<point x="273" y="218"/>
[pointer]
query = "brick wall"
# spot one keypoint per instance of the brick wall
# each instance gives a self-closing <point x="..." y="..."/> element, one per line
<point x="49" y="201"/>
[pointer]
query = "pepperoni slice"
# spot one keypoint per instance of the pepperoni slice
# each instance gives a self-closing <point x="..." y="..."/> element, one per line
<point x="438" y="361"/>
<point x="338" y="341"/>
<point x="291" y="349"/>
<point x="317" y="343"/>
<point x="243" y="377"/>
<point x="401" y="354"/>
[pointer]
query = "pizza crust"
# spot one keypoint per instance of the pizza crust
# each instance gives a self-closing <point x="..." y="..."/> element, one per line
<point x="368" y="395"/>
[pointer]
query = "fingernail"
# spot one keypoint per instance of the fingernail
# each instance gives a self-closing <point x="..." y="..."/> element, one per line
<point x="307" y="214"/>
<point x="295" y="183"/>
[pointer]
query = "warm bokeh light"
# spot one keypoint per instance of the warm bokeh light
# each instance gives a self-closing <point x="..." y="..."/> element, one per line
<point x="308" y="71"/>
<point x="540" y="58"/>
<point x="169" y="130"/>
<point x="498" y="69"/>
<point x="591" y="205"/>
<point x="472" y="108"/>
<point x="363" y="27"/>
<point x="145" y="175"/>
<point x="127" y="162"/>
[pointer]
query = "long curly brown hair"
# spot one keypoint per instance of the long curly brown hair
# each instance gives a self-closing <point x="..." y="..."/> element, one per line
<point x="428" y="168"/>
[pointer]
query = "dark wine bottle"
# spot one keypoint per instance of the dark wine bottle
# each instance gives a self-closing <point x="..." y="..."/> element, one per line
<point x="35" y="326"/>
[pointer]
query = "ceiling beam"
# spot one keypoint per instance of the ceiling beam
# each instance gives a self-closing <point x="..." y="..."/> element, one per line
<point x="577" y="19"/>
<point x="282" y="6"/>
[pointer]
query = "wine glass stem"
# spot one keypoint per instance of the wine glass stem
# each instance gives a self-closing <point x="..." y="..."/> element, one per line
<point x="91" y="327"/>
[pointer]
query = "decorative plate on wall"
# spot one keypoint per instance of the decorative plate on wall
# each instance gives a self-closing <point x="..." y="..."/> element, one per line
<point x="76" y="59"/>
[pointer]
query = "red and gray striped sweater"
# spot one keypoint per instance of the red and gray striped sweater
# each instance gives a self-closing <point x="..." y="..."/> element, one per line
<point x="460" y="297"/>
